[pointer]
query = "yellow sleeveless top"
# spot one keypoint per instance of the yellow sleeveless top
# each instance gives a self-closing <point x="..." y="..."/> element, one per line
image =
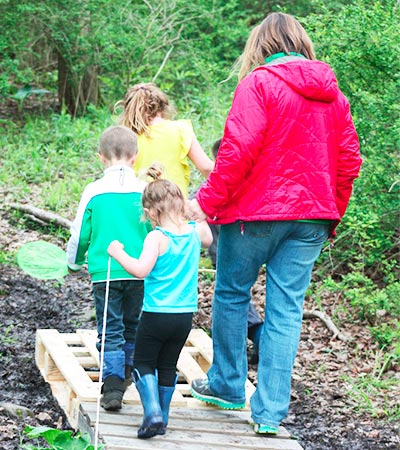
<point x="169" y="143"/>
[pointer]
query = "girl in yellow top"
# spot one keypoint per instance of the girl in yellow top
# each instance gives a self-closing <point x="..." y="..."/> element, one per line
<point x="147" y="111"/>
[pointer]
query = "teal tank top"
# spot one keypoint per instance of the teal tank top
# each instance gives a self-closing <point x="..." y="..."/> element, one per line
<point x="171" y="287"/>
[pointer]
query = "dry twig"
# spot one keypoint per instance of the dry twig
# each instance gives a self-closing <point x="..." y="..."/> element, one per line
<point x="328" y="322"/>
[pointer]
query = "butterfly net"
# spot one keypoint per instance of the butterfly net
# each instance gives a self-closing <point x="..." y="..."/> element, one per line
<point x="43" y="260"/>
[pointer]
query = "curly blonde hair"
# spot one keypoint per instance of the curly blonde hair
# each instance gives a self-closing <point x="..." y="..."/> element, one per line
<point x="277" y="33"/>
<point x="163" y="197"/>
<point x="141" y="104"/>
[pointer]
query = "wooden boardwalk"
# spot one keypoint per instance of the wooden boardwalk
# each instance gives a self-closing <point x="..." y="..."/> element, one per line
<point x="69" y="362"/>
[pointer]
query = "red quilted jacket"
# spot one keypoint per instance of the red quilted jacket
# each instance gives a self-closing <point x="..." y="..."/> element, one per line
<point x="290" y="150"/>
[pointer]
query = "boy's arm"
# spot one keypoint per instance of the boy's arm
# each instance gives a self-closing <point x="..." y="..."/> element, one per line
<point x="81" y="230"/>
<point x="141" y="267"/>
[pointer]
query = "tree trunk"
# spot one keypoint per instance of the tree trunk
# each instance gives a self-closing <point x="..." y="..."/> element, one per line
<point x="77" y="91"/>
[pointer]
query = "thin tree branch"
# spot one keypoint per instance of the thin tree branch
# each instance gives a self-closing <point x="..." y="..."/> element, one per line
<point x="162" y="64"/>
<point x="328" y="322"/>
<point x="45" y="216"/>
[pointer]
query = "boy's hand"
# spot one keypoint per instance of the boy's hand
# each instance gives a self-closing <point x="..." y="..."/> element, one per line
<point x="115" y="248"/>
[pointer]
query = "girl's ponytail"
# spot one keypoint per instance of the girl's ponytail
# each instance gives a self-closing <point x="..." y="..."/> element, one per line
<point x="155" y="171"/>
<point x="142" y="103"/>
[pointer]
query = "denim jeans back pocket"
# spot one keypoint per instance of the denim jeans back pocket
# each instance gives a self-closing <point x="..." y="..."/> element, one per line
<point x="315" y="232"/>
<point x="258" y="229"/>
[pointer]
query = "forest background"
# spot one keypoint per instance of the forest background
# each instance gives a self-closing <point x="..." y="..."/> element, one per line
<point x="65" y="63"/>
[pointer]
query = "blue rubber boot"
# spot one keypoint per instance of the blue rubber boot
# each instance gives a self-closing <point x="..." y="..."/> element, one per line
<point x="165" y="394"/>
<point x="147" y="387"/>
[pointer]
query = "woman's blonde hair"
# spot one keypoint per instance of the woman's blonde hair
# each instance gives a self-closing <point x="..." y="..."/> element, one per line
<point x="141" y="104"/>
<point x="277" y="33"/>
<point x="163" y="197"/>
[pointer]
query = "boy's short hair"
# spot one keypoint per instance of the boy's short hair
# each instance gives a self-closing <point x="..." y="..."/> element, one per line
<point x="118" y="142"/>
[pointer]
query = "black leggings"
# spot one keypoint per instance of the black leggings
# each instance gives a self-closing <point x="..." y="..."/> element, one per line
<point x="159" y="341"/>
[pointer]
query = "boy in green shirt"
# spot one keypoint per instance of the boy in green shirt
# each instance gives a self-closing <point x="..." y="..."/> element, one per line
<point x="111" y="209"/>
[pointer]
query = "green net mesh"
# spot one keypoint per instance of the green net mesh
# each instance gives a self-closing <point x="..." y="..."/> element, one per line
<point x="43" y="260"/>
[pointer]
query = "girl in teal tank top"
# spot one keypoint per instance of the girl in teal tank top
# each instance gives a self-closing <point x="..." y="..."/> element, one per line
<point x="169" y="265"/>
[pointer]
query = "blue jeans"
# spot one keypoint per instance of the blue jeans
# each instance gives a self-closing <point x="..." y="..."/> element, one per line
<point x="125" y="301"/>
<point x="289" y="250"/>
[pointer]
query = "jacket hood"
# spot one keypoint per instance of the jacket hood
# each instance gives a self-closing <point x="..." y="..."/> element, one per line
<point x="314" y="80"/>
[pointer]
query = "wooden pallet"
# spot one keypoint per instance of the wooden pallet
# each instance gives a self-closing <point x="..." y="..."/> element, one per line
<point x="69" y="362"/>
<point x="188" y="429"/>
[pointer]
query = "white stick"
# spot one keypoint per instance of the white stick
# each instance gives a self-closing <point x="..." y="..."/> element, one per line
<point x="103" y="339"/>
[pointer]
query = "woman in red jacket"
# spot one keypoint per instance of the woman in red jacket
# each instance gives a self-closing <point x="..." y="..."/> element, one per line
<point x="281" y="183"/>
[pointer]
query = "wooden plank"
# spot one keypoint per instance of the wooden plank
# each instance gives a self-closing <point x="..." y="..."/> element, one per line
<point x="187" y="429"/>
<point x="125" y="438"/>
<point x="50" y="370"/>
<point x="189" y="367"/>
<point x="71" y="339"/>
<point x="86" y="361"/>
<point x="67" y="364"/>
<point x="193" y="425"/>
<point x="236" y="422"/>
<point x="79" y="351"/>
<point x="203" y="343"/>
<point x="39" y="352"/>
<point x="89" y="339"/>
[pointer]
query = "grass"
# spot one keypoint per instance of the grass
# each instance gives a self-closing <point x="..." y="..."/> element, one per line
<point x="49" y="160"/>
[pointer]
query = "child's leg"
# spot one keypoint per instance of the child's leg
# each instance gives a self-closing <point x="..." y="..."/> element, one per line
<point x="132" y="308"/>
<point x="254" y="325"/>
<point x="177" y="328"/>
<point x="147" y="349"/>
<point x="114" y="357"/>
<point x="180" y="326"/>
<point x="159" y="341"/>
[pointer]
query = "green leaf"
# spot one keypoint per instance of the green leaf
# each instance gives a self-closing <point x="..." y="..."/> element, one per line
<point x="28" y="90"/>
<point x="67" y="442"/>
<point x="47" y="433"/>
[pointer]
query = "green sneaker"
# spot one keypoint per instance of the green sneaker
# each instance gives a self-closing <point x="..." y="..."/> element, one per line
<point x="201" y="390"/>
<point x="260" y="428"/>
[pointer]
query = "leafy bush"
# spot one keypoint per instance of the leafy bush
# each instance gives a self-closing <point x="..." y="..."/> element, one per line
<point x="362" y="43"/>
<point x="363" y="300"/>
<point x="58" y="439"/>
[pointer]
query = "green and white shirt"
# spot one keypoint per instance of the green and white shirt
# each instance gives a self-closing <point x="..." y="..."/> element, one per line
<point x="110" y="209"/>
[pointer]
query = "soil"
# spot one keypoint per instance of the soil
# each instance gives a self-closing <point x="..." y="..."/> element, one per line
<point x="323" y="416"/>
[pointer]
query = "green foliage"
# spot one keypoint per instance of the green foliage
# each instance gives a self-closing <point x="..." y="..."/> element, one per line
<point x="185" y="46"/>
<point x="25" y="92"/>
<point x="363" y="300"/>
<point x="59" y="154"/>
<point x="6" y="336"/>
<point x="372" y="392"/>
<point x="362" y="43"/>
<point x="368" y="299"/>
<point x="58" y="439"/>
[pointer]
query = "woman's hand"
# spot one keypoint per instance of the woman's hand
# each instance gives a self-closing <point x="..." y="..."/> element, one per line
<point x="195" y="211"/>
<point x="115" y="248"/>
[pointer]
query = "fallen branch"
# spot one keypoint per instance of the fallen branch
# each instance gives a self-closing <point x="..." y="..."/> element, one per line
<point x="328" y="322"/>
<point x="42" y="215"/>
